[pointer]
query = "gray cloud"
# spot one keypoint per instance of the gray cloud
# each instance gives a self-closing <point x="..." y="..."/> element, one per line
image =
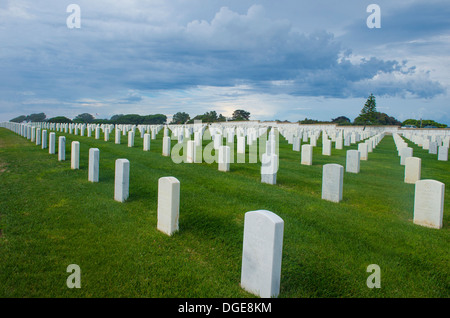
<point x="123" y="51"/>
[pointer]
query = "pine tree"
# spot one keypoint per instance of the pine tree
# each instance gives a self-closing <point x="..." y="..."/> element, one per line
<point x="368" y="113"/>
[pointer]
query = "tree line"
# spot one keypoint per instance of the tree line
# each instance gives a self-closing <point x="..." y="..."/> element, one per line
<point x="210" y="117"/>
<point x="90" y="119"/>
<point x="368" y="116"/>
<point x="157" y="119"/>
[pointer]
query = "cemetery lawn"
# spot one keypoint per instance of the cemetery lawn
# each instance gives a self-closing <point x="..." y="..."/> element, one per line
<point x="52" y="216"/>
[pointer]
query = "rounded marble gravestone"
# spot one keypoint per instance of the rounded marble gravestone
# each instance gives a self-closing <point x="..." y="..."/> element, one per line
<point x="262" y="253"/>
<point x="94" y="164"/>
<point x="224" y="158"/>
<point x="443" y="153"/>
<point x="269" y="168"/>
<point x="332" y="182"/>
<point x="352" y="161"/>
<point x="61" y="148"/>
<point x="51" y="143"/>
<point x="122" y="180"/>
<point x="362" y="148"/>
<point x="306" y="156"/>
<point x="168" y="204"/>
<point x="429" y="203"/>
<point x="75" y="155"/>
<point x="166" y="146"/>
<point x="412" y="169"/>
<point x="146" y="143"/>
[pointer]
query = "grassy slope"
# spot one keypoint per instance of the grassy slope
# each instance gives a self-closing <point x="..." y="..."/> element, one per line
<point x="51" y="216"/>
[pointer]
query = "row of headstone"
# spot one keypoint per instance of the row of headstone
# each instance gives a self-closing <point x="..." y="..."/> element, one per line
<point x="435" y="144"/>
<point x="225" y="153"/>
<point x="270" y="160"/>
<point x="340" y="136"/>
<point x="216" y="134"/>
<point x="30" y="130"/>
<point x="179" y="132"/>
<point x="262" y="245"/>
<point x="429" y="203"/>
<point x="263" y="230"/>
<point x="413" y="164"/>
<point x="428" y="194"/>
<point x="352" y="166"/>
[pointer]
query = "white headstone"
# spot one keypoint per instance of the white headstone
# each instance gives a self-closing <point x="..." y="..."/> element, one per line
<point x="122" y="180"/>
<point x="433" y="148"/>
<point x="332" y="182"/>
<point x="52" y="143"/>
<point x="168" y="204"/>
<point x="224" y="158"/>
<point x="412" y="169"/>
<point x="166" y="146"/>
<point x="326" y="147"/>
<point x="405" y="152"/>
<point x="38" y="136"/>
<point x="33" y="134"/>
<point x="180" y="137"/>
<point x="94" y="164"/>
<point x="198" y="138"/>
<point x="218" y="141"/>
<point x="269" y="168"/>
<point x="369" y="144"/>
<point x="339" y="143"/>
<point x="429" y="203"/>
<point x="347" y="141"/>
<point x="443" y="153"/>
<point x="61" y="148"/>
<point x="240" y="144"/>
<point x="44" y="139"/>
<point x="190" y="151"/>
<point x="117" y="136"/>
<point x="352" y="161"/>
<point x="106" y="134"/>
<point x="147" y="142"/>
<point x="262" y="253"/>
<point x="362" y="148"/>
<point x="75" y="155"/>
<point x="306" y="156"/>
<point x="131" y="138"/>
<point x="305" y="137"/>
<point x="296" y="144"/>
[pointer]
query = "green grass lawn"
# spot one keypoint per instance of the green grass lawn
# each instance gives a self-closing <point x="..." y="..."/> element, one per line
<point x="52" y="216"/>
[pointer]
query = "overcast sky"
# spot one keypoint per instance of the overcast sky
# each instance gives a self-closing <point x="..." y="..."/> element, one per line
<point x="284" y="59"/>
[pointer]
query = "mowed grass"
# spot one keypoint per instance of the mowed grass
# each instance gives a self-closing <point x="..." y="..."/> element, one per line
<point x="52" y="216"/>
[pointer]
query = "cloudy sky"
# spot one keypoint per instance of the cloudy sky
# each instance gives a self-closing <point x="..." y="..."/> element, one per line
<point x="285" y="59"/>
